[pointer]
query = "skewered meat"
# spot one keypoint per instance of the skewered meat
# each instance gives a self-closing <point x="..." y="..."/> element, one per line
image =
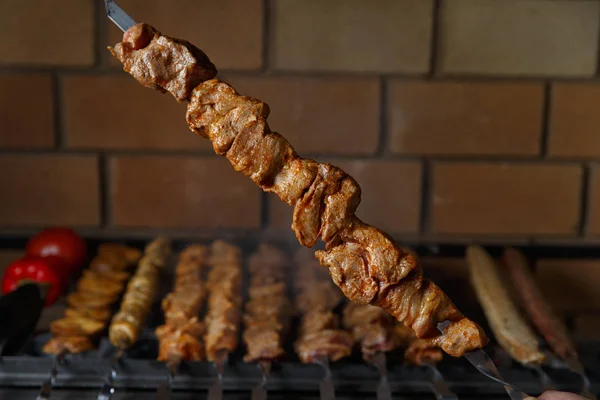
<point x="417" y="351"/>
<point x="76" y="326"/>
<point x="268" y="311"/>
<point x="372" y="327"/>
<point x="127" y="324"/>
<point x="318" y="336"/>
<point x="71" y="344"/>
<point x="89" y="307"/>
<point x="363" y="261"/>
<point x="510" y="329"/>
<point x="180" y="337"/>
<point x="543" y="318"/>
<point x="224" y="300"/>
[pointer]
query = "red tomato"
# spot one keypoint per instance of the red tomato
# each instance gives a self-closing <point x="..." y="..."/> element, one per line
<point x="63" y="243"/>
<point x="36" y="269"/>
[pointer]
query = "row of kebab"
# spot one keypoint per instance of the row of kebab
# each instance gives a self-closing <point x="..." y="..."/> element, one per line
<point x="205" y="314"/>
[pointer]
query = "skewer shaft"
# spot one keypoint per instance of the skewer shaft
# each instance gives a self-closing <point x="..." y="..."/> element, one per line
<point x="439" y="386"/>
<point x="49" y="383"/>
<point x="163" y="392"/>
<point x="215" y="392"/>
<point x="326" y="388"/>
<point x="108" y="387"/>
<point x="383" y="388"/>
<point x="260" y="391"/>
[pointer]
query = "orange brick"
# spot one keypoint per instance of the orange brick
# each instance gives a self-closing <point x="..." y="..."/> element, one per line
<point x="110" y="112"/>
<point x="43" y="190"/>
<point x="502" y="198"/>
<point x="574" y="121"/>
<point x="46" y="33"/>
<point x="352" y="35"/>
<point x="228" y="31"/>
<point x="391" y="195"/>
<point x="593" y="222"/>
<point x="181" y="192"/>
<point x="533" y="37"/>
<point x="570" y="284"/>
<point x="468" y="118"/>
<point x="26" y="121"/>
<point x="587" y="327"/>
<point x="320" y="115"/>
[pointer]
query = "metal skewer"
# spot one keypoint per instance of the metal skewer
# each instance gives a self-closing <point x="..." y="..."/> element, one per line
<point x="383" y="388"/>
<point x="545" y="380"/>
<point x="260" y="391"/>
<point x="439" y="386"/>
<point x="326" y="388"/>
<point x="119" y="17"/>
<point x="108" y="388"/>
<point x="215" y="392"/>
<point x="163" y="392"/>
<point x="49" y="383"/>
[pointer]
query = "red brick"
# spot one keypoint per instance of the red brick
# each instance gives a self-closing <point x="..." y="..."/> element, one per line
<point x="228" y="31"/>
<point x="320" y="115"/>
<point x="467" y="118"/>
<point x="352" y="35"/>
<point x="26" y="121"/>
<point x="43" y="32"/>
<point x="391" y="195"/>
<point x="43" y="190"/>
<point x="570" y="284"/>
<point x="533" y="37"/>
<point x="181" y="192"/>
<point x="110" y="112"/>
<point x="574" y="122"/>
<point x="503" y="198"/>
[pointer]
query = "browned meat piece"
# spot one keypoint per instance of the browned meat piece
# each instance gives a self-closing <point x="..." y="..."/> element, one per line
<point x="188" y="66"/>
<point x="224" y="298"/>
<point x="419" y="352"/>
<point x="70" y="344"/>
<point x="99" y="314"/>
<point x="88" y="300"/>
<point x="268" y="312"/>
<point x="76" y="326"/>
<point x="129" y="254"/>
<point x="318" y="335"/>
<point x="331" y="344"/>
<point x="101" y="274"/>
<point x="179" y="307"/>
<point x="178" y="346"/>
<point x="101" y="286"/>
<point x="363" y="261"/>
<point x="372" y="327"/>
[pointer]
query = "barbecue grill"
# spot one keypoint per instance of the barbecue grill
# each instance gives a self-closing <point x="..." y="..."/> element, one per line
<point x="138" y="374"/>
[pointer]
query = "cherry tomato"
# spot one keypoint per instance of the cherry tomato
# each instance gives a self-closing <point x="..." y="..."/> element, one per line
<point x="34" y="269"/>
<point x="63" y="243"/>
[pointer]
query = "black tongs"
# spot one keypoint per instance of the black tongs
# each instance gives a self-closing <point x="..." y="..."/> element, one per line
<point x="20" y="311"/>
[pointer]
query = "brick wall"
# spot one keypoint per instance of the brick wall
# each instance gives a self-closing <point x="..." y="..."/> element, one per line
<point x="461" y="119"/>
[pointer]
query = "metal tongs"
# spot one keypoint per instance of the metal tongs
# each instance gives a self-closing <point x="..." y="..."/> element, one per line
<point x="108" y="388"/>
<point x="260" y="391"/>
<point x="49" y="383"/>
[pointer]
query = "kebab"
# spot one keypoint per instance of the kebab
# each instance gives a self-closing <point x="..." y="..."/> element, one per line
<point x="374" y="330"/>
<point x="180" y="338"/>
<point x="542" y="316"/>
<point x="126" y="326"/>
<point x="363" y="261"/>
<point x="267" y="313"/>
<point x="224" y="302"/>
<point x="89" y="307"/>
<point x="320" y="340"/>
